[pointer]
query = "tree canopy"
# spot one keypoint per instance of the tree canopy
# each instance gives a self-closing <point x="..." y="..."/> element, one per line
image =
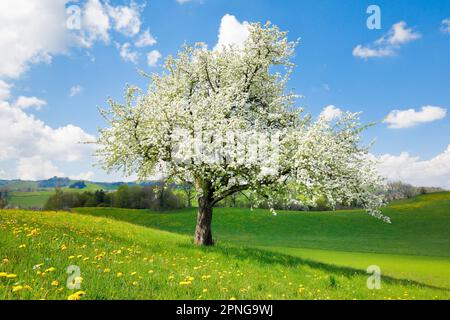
<point x="223" y="121"/>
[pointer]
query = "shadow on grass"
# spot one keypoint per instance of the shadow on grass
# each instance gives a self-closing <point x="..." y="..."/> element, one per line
<point x="266" y="257"/>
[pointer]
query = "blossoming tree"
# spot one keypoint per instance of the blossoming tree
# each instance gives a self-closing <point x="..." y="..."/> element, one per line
<point x="222" y="121"/>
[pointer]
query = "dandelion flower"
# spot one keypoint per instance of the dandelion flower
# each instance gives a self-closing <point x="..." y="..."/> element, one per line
<point x="55" y="283"/>
<point x="76" y="296"/>
<point x="17" y="288"/>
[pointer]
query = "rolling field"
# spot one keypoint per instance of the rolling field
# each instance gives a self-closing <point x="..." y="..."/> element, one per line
<point x="294" y="255"/>
<point x="415" y="246"/>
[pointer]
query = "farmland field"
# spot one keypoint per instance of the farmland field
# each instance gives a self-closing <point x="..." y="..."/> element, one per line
<point x="294" y="255"/>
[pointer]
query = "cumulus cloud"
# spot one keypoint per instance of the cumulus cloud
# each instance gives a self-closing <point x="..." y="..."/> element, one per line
<point x="35" y="145"/>
<point x="5" y="90"/>
<point x="127" y="54"/>
<point x="35" y="168"/>
<point x="96" y="22"/>
<point x="153" y="58"/>
<point x="126" y="19"/>
<point x="29" y="102"/>
<point x="445" y="26"/>
<point x="331" y="112"/>
<point x="30" y="32"/>
<point x="389" y="44"/>
<point x="75" y="90"/>
<point x="145" y="39"/>
<point x="232" y="32"/>
<point x="413" y="170"/>
<point x="399" y="119"/>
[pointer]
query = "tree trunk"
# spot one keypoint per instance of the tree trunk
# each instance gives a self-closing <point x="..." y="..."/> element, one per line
<point x="203" y="234"/>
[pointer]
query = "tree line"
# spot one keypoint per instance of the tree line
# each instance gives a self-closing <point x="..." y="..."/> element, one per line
<point x="131" y="197"/>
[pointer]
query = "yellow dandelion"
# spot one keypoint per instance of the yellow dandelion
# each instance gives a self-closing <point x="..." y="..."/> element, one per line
<point x="107" y="270"/>
<point x="51" y="269"/>
<point x="205" y="290"/>
<point x="11" y="276"/>
<point x="71" y="257"/>
<point x="119" y="274"/>
<point x="76" y="296"/>
<point x="232" y="298"/>
<point x="17" y="288"/>
<point x="22" y="246"/>
<point x="55" y="283"/>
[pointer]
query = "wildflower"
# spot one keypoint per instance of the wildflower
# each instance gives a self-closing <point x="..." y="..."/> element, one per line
<point x="135" y="283"/>
<point x="55" y="283"/>
<point x="150" y="271"/>
<point x="51" y="269"/>
<point x="205" y="290"/>
<point x="119" y="274"/>
<point x="11" y="276"/>
<point x="107" y="270"/>
<point x="76" y="296"/>
<point x="37" y="266"/>
<point x="17" y="288"/>
<point x="185" y="283"/>
<point x="5" y="261"/>
<point x="63" y="247"/>
<point x="22" y="246"/>
<point x="3" y="274"/>
<point x="232" y="298"/>
<point x="71" y="257"/>
<point x="133" y="273"/>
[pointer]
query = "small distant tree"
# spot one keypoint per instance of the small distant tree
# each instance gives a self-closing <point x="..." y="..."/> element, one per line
<point x="222" y="121"/>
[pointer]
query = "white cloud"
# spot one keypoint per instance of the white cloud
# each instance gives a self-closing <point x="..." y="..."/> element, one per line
<point x="183" y="1"/>
<point x="95" y="22"/>
<point x="413" y="170"/>
<point x="389" y="44"/>
<point x="5" y="90"/>
<point x="30" y="32"/>
<point x="365" y="52"/>
<point x="36" y="168"/>
<point x="126" y="18"/>
<point x="127" y="54"/>
<point x="29" y="102"/>
<point x="445" y="26"/>
<point x="83" y="176"/>
<point x="398" y="119"/>
<point x="145" y="39"/>
<point x="330" y="113"/>
<point x="75" y="90"/>
<point x="153" y="58"/>
<point x="232" y="32"/>
<point x="24" y="136"/>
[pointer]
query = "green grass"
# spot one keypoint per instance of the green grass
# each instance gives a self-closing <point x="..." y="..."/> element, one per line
<point x="415" y="246"/>
<point x="120" y="260"/>
<point x="35" y="199"/>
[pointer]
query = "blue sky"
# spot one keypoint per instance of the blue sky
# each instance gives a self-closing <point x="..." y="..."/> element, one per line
<point x="415" y="72"/>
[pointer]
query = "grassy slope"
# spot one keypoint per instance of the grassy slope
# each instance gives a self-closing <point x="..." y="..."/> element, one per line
<point x="34" y="199"/>
<point x="416" y="245"/>
<point x="126" y="261"/>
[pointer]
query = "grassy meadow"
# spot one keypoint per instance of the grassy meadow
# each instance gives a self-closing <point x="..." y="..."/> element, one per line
<point x="138" y="254"/>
